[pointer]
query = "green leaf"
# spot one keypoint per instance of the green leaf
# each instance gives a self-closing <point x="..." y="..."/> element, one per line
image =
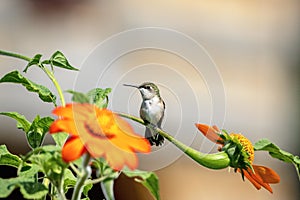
<point x="69" y="180"/>
<point x="107" y="187"/>
<point x="7" y="158"/>
<point x="34" y="61"/>
<point x="276" y="152"/>
<point x="60" y="138"/>
<point x="43" y="92"/>
<point x="99" y="97"/>
<point x="43" y="124"/>
<point x="50" y="149"/>
<point x="59" y="60"/>
<point x="42" y="154"/>
<point x="25" y="180"/>
<point x="8" y="185"/>
<point x="22" y="122"/>
<point x="95" y="96"/>
<point x="29" y="170"/>
<point x="35" y="131"/>
<point x="33" y="190"/>
<point x="54" y="169"/>
<point x="48" y="160"/>
<point x="38" y="130"/>
<point x="79" y="97"/>
<point x="34" y="136"/>
<point x="87" y="188"/>
<point x="148" y="179"/>
<point x="10" y="160"/>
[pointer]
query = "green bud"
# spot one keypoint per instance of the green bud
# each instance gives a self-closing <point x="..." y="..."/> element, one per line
<point x="218" y="160"/>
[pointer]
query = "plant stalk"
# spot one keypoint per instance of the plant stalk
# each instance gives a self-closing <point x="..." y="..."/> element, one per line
<point x="85" y="173"/>
<point x="56" y="84"/>
<point x="218" y="160"/>
<point x="14" y="55"/>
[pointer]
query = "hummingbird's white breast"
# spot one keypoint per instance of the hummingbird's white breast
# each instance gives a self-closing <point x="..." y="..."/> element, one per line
<point x="152" y="110"/>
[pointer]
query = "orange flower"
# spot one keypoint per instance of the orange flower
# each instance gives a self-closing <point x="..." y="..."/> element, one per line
<point x="99" y="132"/>
<point x="212" y="133"/>
<point x="259" y="176"/>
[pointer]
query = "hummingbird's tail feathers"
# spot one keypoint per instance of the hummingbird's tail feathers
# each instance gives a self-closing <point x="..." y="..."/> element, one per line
<point x="153" y="137"/>
<point x="148" y="133"/>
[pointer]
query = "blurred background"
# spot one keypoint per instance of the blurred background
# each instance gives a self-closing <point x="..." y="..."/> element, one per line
<point x="254" y="44"/>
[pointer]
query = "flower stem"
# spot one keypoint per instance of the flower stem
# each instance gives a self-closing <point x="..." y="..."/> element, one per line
<point x="77" y="172"/>
<point x="56" y="84"/>
<point x="218" y="160"/>
<point x="98" y="180"/>
<point x="85" y="173"/>
<point x="60" y="191"/>
<point x="14" y="55"/>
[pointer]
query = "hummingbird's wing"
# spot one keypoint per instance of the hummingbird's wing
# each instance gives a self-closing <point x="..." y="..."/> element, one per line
<point x="149" y="136"/>
<point x="162" y="117"/>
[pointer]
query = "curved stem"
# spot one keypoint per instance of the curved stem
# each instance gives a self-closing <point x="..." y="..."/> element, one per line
<point x="14" y="55"/>
<point x="60" y="191"/>
<point x="77" y="172"/>
<point x="86" y="171"/>
<point x="218" y="160"/>
<point x="56" y="84"/>
<point x="98" y="180"/>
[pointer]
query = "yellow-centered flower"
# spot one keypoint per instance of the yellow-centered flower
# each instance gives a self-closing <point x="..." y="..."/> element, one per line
<point x="100" y="132"/>
<point x="241" y="152"/>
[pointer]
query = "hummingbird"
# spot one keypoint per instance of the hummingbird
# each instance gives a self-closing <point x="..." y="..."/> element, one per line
<point x="151" y="111"/>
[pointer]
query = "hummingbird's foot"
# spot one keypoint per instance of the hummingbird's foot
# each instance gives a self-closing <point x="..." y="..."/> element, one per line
<point x="159" y="139"/>
<point x="152" y="136"/>
<point x="156" y="140"/>
<point x="151" y="141"/>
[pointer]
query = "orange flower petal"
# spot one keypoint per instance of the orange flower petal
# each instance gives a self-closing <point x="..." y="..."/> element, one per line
<point x="126" y="133"/>
<point x="266" y="174"/>
<point x="132" y="144"/>
<point x="120" y="149"/>
<point x="61" y="125"/>
<point x="117" y="158"/>
<point x="249" y="177"/>
<point x="72" y="149"/>
<point x="65" y="112"/>
<point x="256" y="180"/>
<point x="210" y="132"/>
<point x="75" y="111"/>
<point x="84" y="111"/>
<point x="117" y="130"/>
<point x="100" y="132"/>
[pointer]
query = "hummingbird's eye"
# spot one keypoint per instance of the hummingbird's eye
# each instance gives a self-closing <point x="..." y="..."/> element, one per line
<point x="147" y="87"/>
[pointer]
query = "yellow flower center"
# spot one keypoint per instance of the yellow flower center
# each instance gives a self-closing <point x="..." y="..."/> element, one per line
<point x="247" y="145"/>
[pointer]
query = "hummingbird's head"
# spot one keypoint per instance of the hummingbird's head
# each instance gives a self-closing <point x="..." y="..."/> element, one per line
<point x="148" y="90"/>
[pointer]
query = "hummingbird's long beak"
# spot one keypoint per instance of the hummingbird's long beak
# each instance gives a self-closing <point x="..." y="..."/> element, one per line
<point x="130" y="85"/>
